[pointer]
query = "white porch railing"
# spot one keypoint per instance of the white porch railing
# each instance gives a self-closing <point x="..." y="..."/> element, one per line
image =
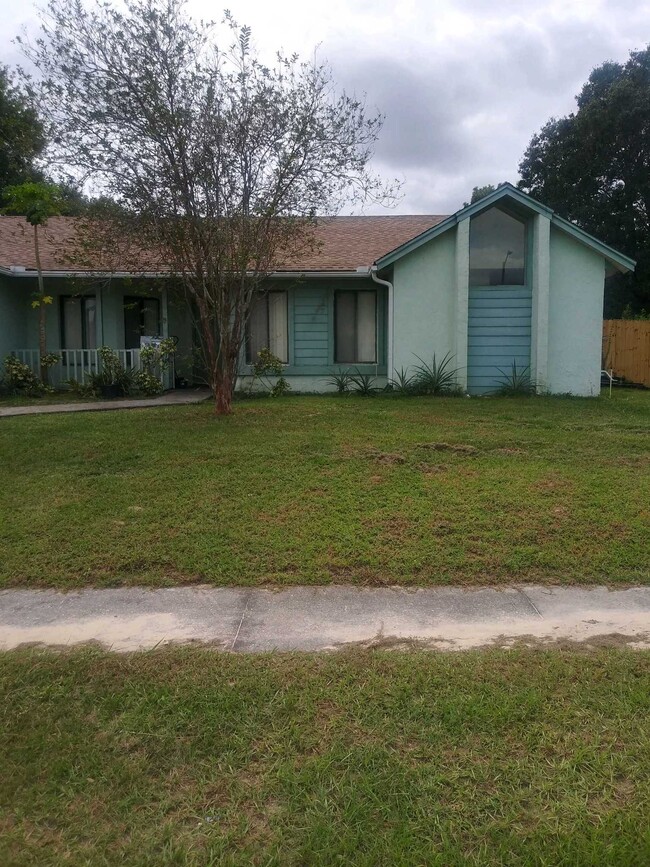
<point x="79" y="364"/>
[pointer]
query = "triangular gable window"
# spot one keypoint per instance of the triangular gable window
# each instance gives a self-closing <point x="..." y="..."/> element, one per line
<point x="497" y="249"/>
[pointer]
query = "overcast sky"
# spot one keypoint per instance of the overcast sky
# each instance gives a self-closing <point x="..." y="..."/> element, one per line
<point x="463" y="83"/>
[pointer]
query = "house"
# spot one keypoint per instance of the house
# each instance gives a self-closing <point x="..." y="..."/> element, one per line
<point x="505" y="280"/>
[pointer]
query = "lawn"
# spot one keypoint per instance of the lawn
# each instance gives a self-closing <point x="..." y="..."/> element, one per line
<point x="189" y="757"/>
<point x="324" y="489"/>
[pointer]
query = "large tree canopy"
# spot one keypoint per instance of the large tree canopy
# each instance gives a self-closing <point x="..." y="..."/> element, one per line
<point x="218" y="162"/>
<point x="593" y="167"/>
<point x="21" y="136"/>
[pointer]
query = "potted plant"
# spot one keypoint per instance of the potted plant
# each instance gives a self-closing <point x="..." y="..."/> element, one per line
<point x="113" y="379"/>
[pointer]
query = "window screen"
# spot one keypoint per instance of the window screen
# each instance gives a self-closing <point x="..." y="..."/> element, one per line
<point x="355" y="327"/>
<point x="78" y="322"/>
<point x="268" y="327"/>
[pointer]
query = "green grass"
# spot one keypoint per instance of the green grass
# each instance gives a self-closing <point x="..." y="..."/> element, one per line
<point x="190" y="757"/>
<point x="325" y="489"/>
<point x="8" y="400"/>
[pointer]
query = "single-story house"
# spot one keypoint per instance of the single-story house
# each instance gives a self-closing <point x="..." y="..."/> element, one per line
<point x="505" y="280"/>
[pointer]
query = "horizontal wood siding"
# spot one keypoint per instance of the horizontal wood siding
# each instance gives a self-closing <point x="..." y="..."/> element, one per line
<point x="310" y="326"/>
<point x="626" y="349"/>
<point x="499" y="328"/>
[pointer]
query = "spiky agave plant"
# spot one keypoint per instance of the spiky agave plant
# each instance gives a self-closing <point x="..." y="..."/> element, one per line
<point x="402" y="382"/>
<point x="340" y="381"/>
<point x="363" y="383"/>
<point x="517" y="383"/>
<point x="439" y="377"/>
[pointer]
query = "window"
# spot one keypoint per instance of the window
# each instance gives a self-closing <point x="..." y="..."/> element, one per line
<point x="268" y="327"/>
<point x="355" y="327"/>
<point x="141" y="318"/>
<point x="497" y="250"/>
<point x="78" y="322"/>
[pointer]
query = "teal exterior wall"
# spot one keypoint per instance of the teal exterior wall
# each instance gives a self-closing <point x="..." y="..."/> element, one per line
<point x="554" y="323"/>
<point x="499" y="335"/>
<point x="575" y="317"/>
<point x="13" y="317"/>
<point x="311" y="332"/>
<point x="310" y="312"/>
<point x="424" y="303"/>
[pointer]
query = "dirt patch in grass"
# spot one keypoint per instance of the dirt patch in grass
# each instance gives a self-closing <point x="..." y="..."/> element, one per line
<point x="385" y="458"/>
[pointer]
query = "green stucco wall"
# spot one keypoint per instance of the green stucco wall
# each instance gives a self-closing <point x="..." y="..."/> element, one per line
<point x="575" y="318"/>
<point x="424" y="303"/>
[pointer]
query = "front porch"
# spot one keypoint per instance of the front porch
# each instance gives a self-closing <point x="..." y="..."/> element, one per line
<point x="78" y="365"/>
<point x="87" y="313"/>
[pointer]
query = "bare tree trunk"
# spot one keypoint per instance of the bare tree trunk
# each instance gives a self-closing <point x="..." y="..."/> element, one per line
<point x="223" y="389"/>
<point x="42" y="334"/>
<point x="221" y="372"/>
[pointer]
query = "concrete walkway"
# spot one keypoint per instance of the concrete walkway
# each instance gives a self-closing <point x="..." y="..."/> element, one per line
<point x="324" y="618"/>
<point x="170" y="398"/>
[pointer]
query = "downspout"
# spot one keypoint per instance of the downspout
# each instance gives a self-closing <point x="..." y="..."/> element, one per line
<point x="391" y="303"/>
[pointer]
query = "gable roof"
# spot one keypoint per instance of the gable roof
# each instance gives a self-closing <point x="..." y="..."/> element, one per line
<point x="344" y="243"/>
<point x="508" y="191"/>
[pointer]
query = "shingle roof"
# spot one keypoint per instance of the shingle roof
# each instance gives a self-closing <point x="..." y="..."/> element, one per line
<point x="344" y="243"/>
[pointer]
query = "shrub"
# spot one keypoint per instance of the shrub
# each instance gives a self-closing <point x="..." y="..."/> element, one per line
<point x="112" y="372"/>
<point x="20" y="379"/>
<point x="269" y="365"/>
<point x="147" y="383"/>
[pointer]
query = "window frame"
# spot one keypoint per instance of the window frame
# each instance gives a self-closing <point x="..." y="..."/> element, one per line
<point x="82" y="311"/>
<point x="355" y="293"/>
<point x="524" y="220"/>
<point x="264" y="298"/>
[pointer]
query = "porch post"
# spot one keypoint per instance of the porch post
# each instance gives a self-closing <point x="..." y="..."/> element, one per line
<point x="99" y="327"/>
<point x="462" y="300"/>
<point x="170" y="373"/>
<point x="164" y="308"/>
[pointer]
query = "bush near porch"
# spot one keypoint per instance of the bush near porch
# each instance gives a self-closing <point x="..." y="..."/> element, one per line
<point x="325" y="489"/>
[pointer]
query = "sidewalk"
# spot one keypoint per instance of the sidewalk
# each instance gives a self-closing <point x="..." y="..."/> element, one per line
<point x="170" y="398"/>
<point x="324" y="618"/>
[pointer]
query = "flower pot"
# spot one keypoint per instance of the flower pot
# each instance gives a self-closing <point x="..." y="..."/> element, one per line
<point x="110" y="391"/>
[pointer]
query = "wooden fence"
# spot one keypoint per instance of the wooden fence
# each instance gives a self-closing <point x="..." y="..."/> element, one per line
<point x="626" y="349"/>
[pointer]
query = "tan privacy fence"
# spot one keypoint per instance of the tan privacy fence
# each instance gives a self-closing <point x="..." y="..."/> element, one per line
<point x="626" y="349"/>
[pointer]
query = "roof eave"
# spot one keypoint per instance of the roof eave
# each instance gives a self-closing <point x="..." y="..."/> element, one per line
<point x="618" y="260"/>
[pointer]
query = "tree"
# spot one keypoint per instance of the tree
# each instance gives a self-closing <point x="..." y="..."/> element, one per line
<point x="21" y="135"/>
<point x="218" y="164"/>
<point x="480" y="193"/>
<point x="38" y="201"/>
<point x="593" y="166"/>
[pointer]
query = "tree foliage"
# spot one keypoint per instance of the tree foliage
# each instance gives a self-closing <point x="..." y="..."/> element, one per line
<point x="479" y="193"/>
<point x="22" y="137"/>
<point x="218" y="164"/>
<point x="593" y="167"/>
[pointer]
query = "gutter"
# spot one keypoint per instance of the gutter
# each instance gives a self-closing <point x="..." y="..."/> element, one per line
<point x="19" y="271"/>
<point x="391" y="317"/>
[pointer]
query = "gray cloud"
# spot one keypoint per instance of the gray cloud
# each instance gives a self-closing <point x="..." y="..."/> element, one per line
<point x="464" y="84"/>
<point x="462" y="114"/>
